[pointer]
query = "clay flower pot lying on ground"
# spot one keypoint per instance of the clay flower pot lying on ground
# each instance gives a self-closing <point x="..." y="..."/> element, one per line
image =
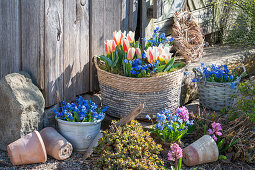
<point x="79" y="122"/>
<point x="27" y="150"/>
<point x="203" y="150"/>
<point x="56" y="145"/>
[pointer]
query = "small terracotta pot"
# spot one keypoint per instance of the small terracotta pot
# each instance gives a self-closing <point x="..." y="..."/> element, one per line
<point x="27" y="150"/>
<point x="204" y="150"/>
<point x="56" y="145"/>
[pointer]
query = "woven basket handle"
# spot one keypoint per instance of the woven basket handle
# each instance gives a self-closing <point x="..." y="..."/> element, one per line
<point x="94" y="59"/>
<point x="244" y="70"/>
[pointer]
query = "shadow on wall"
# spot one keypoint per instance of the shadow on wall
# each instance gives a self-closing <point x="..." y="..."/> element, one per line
<point x="68" y="85"/>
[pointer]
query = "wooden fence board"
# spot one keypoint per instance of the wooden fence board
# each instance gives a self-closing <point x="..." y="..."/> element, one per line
<point x="96" y="37"/>
<point x="133" y="13"/>
<point x="9" y="37"/>
<point x="31" y="39"/>
<point x="55" y="40"/>
<point x="53" y="51"/>
<point x="76" y="48"/>
<point x="124" y="15"/>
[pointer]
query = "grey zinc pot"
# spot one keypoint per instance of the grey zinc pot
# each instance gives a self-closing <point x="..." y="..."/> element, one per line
<point x="79" y="134"/>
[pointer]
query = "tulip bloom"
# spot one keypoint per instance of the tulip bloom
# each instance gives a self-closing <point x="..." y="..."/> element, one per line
<point x="152" y="54"/>
<point x="117" y="36"/>
<point x="110" y="46"/>
<point x="131" y="37"/>
<point x="125" y="44"/>
<point x="131" y="53"/>
<point x="138" y="53"/>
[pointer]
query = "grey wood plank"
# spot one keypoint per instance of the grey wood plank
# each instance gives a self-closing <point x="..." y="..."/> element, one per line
<point x="76" y="48"/>
<point x="31" y="53"/>
<point x="96" y="37"/>
<point x="133" y="14"/>
<point x="9" y="37"/>
<point x="124" y="15"/>
<point x="53" y="51"/>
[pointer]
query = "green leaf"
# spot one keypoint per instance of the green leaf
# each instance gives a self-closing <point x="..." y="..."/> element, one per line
<point x="76" y="117"/>
<point x="116" y="60"/>
<point x="169" y="65"/>
<point x="161" y="68"/>
<point x="104" y="58"/>
<point x="228" y="146"/>
<point x="180" y="164"/>
<point x="220" y="143"/>
<point x="222" y="157"/>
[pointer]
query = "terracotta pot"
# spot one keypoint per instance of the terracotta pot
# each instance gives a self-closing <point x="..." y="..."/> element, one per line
<point x="56" y="145"/>
<point x="203" y="150"/>
<point x="27" y="150"/>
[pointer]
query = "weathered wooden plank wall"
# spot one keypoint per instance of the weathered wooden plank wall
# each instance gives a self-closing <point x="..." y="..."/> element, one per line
<point x="9" y="36"/>
<point x="106" y="17"/>
<point x="55" y="40"/>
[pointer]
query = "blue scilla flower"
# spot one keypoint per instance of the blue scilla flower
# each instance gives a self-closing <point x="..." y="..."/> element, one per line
<point x="148" y="117"/>
<point x="55" y="111"/>
<point x="156" y="30"/>
<point x="232" y="85"/>
<point x="94" y="106"/>
<point x="60" y="114"/>
<point x="159" y="126"/>
<point x="105" y="109"/>
<point x="101" y="116"/>
<point x="180" y="129"/>
<point x="190" y="122"/>
<point x="171" y="39"/>
<point x="94" y="114"/>
<point x="179" y="120"/>
<point x="130" y="62"/>
<point x="83" y="116"/>
<point x="133" y="72"/>
<point x="125" y="61"/>
<point x="170" y="127"/>
<point x="143" y="55"/>
<point x="144" y="39"/>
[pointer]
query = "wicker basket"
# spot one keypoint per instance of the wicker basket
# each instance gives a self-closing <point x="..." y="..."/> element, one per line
<point x="123" y="94"/>
<point x="217" y="96"/>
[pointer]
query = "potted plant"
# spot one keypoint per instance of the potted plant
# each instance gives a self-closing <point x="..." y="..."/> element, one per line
<point x="217" y="85"/>
<point x="129" y="74"/>
<point x="79" y="122"/>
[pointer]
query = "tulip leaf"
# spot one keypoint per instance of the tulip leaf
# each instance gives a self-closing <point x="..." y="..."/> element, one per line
<point x="116" y="60"/>
<point x="106" y="59"/>
<point x="169" y="65"/>
<point x="161" y="68"/>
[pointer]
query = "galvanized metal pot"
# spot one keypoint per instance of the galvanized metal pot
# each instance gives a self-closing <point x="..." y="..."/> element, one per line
<point x="79" y="134"/>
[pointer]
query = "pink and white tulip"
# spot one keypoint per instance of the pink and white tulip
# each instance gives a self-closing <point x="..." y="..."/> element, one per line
<point x="110" y="46"/>
<point x="125" y="44"/>
<point x="152" y="54"/>
<point x="131" y="53"/>
<point x="117" y="36"/>
<point x="138" y="53"/>
<point x="131" y="36"/>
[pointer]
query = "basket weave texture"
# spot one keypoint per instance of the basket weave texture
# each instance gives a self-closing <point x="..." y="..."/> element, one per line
<point x="216" y="96"/>
<point x="123" y="94"/>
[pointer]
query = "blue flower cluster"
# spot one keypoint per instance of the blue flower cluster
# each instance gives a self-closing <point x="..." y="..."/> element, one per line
<point x="80" y="111"/>
<point x="158" y="38"/>
<point x="214" y="73"/>
<point x="139" y="68"/>
<point x="170" y="127"/>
